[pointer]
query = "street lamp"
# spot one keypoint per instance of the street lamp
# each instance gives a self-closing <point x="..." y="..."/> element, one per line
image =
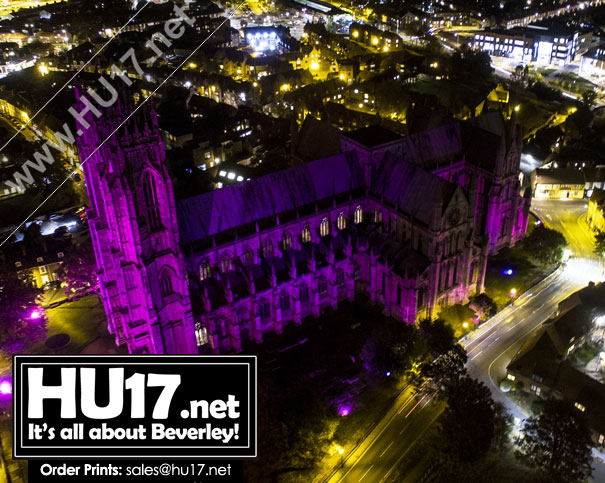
<point x="465" y="325"/>
<point x="513" y="293"/>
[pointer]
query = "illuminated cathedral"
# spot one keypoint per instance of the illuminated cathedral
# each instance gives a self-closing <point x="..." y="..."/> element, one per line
<point x="408" y="221"/>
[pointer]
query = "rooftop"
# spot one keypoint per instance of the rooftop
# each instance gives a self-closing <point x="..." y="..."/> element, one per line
<point x="372" y="136"/>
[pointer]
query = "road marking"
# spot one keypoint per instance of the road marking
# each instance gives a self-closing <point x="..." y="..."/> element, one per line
<point x="367" y="471"/>
<point x="410" y="447"/>
<point x="478" y="353"/>
<point x="387" y="448"/>
<point x="404" y="428"/>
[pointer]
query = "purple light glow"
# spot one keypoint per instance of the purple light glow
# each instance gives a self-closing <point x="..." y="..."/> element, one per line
<point x="35" y="314"/>
<point x="508" y="271"/>
<point x="6" y="388"/>
<point x="344" y="410"/>
<point x="538" y="222"/>
<point x="388" y="373"/>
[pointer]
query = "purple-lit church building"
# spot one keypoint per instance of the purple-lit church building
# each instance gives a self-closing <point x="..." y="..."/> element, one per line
<point x="409" y="221"/>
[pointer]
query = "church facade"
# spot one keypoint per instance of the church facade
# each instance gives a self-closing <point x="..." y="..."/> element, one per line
<point x="409" y="227"/>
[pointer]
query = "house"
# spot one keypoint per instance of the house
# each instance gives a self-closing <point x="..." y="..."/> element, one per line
<point x="594" y="214"/>
<point x="558" y="183"/>
<point x="543" y="367"/>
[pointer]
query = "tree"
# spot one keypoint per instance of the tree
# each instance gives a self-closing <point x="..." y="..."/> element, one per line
<point x="439" y="374"/>
<point x="470" y="66"/>
<point x="389" y="349"/>
<point x="599" y="248"/>
<point x="79" y="269"/>
<point x="468" y="424"/>
<point x="589" y="97"/>
<point x="546" y="245"/>
<point x="558" y="442"/>
<point x="18" y="299"/>
<point x="438" y="335"/>
<point x="483" y="305"/>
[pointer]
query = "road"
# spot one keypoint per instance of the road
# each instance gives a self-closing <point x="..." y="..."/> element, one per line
<point x="490" y="349"/>
<point x="568" y="217"/>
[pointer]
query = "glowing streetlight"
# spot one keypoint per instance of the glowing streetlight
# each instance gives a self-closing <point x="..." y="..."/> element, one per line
<point x="35" y="314"/>
<point x="465" y="325"/>
<point x="517" y="108"/>
<point x="513" y="292"/>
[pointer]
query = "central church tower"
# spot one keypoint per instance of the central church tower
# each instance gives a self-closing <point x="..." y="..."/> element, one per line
<point x="133" y="225"/>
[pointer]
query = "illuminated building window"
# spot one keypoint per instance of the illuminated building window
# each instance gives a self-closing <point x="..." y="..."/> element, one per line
<point x="248" y="256"/>
<point x="287" y="240"/>
<point x="510" y="377"/>
<point x="324" y="228"/>
<point x="267" y="248"/>
<point x="341" y="222"/>
<point x="205" y="270"/>
<point x="201" y="335"/>
<point x="358" y="214"/>
<point x="581" y="407"/>
<point x="306" y="233"/>
<point x="377" y="216"/>
<point x="535" y="389"/>
<point x="226" y="263"/>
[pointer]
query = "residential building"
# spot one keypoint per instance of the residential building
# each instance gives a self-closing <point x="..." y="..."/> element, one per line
<point x="543" y="367"/>
<point x="594" y="214"/>
<point x="558" y="183"/>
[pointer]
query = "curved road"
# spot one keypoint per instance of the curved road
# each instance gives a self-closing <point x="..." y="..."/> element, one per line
<point x="490" y="349"/>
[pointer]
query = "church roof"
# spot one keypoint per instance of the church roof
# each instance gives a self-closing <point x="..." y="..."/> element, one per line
<point x="410" y="188"/>
<point x="268" y="196"/>
<point x="373" y="136"/>
<point x="452" y="142"/>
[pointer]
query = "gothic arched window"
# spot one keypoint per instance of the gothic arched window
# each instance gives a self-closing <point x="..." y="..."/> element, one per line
<point x="205" y="270"/>
<point x="322" y="285"/>
<point x="341" y="222"/>
<point x="226" y="262"/>
<point x="154" y="219"/>
<point x="201" y="334"/>
<point x="287" y="240"/>
<point x="248" y="256"/>
<point x="306" y="233"/>
<point x="324" y="228"/>
<point x="166" y="283"/>
<point x="358" y="214"/>
<point x="340" y="277"/>
<point x="303" y="293"/>
<point x="267" y="247"/>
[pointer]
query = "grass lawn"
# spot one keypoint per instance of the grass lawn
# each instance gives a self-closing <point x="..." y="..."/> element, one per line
<point x="525" y="273"/>
<point x="456" y="316"/>
<point x="83" y="320"/>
